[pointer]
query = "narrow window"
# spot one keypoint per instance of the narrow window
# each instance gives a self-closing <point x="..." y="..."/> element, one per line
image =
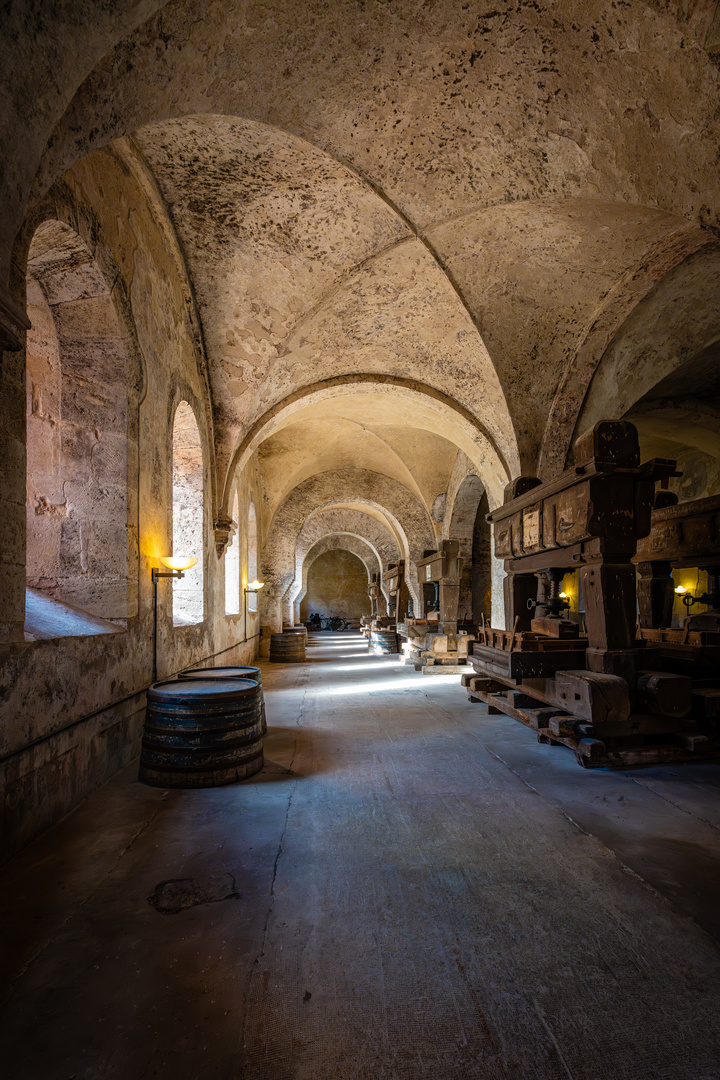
<point x="252" y="556"/>
<point x="232" y="567"/>
<point x="188" y="606"/>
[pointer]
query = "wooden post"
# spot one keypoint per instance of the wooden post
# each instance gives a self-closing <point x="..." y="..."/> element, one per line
<point x="655" y="594"/>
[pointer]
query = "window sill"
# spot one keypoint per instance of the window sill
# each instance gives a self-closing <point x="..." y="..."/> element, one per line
<point x="47" y="618"/>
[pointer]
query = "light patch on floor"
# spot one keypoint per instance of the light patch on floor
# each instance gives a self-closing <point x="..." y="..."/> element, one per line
<point x="410" y="890"/>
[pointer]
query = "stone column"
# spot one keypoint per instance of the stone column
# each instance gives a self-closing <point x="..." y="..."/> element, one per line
<point x="13" y="324"/>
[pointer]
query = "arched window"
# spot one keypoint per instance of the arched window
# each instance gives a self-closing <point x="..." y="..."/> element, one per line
<point x="252" y="556"/>
<point x="232" y="567"/>
<point x="187" y="472"/>
<point x="77" y="429"/>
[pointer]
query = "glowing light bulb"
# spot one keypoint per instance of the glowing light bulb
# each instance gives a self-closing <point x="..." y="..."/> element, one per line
<point x="564" y="595"/>
<point x="178" y="562"/>
<point x="681" y="589"/>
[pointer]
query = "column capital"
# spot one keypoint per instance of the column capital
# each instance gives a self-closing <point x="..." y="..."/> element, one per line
<point x="225" y="529"/>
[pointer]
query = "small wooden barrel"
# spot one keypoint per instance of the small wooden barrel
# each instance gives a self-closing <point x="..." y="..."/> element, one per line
<point x="287" y="648"/>
<point x="296" y="629"/>
<point x="201" y="733"/>
<point x="384" y="641"/>
<point x="253" y="673"/>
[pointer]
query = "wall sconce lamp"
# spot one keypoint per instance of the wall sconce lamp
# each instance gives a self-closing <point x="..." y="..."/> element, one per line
<point x="254" y="587"/>
<point x="711" y="597"/>
<point x="175" y="569"/>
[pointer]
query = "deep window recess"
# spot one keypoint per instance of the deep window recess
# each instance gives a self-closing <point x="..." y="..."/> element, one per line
<point x="232" y="567"/>
<point x="77" y="403"/>
<point x="188" y="602"/>
<point x="252" y="601"/>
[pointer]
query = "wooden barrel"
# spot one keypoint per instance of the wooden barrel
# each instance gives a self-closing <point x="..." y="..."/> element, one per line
<point x="253" y="673"/>
<point x="287" y="648"/>
<point x="296" y="629"/>
<point x="201" y="733"/>
<point x="384" y="641"/>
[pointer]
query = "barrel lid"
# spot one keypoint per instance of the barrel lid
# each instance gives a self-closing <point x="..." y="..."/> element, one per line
<point x="186" y="689"/>
<point x="220" y="673"/>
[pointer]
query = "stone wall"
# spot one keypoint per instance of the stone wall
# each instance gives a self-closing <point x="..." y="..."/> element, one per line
<point x="77" y="429"/>
<point x="71" y="708"/>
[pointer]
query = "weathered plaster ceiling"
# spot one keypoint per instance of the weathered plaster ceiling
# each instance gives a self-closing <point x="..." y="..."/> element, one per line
<point x="675" y="324"/>
<point x="472" y="201"/>
<point x="302" y="271"/>
<point x="445" y="107"/>
<point x="417" y="458"/>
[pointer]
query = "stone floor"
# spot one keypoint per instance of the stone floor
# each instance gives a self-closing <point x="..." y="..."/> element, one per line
<point x="410" y="889"/>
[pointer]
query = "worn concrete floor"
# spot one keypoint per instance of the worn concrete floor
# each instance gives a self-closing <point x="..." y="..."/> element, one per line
<point x="411" y="889"/>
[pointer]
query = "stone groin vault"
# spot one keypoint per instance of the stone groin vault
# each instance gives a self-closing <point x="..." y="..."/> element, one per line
<point x="286" y="279"/>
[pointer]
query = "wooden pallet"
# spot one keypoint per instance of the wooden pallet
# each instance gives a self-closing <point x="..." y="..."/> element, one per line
<point x="553" y="726"/>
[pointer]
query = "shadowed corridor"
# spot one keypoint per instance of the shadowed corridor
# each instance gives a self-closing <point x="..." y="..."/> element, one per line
<point x="410" y="889"/>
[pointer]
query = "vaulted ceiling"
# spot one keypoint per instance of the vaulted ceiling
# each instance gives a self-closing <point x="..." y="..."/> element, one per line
<point x="490" y="210"/>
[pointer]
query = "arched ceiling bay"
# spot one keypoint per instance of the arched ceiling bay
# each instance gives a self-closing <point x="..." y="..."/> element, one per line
<point x="549" y="280"/>
<point x="302" y="271"/>
<point x="465" y="197"/>
<point x="269" y="225"/>
<point x="665" y="348"/>
<point x="445" y="106"/>
<point x="384" y="402"/>
<point x="368" y="431"/>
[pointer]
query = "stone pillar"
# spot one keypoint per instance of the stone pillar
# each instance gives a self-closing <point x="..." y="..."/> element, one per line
<point x="13" y="324"/>
<point x="271" y="615"/>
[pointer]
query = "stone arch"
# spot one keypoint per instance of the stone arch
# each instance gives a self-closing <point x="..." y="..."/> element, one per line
<point x="81" y="538"/>
<point x="679" y="418"/>
<point x="404" y="516"/>
<point x="350" y="523"/>
<point x="337" y="541"/>
<point x="669" y="330"/>
<point x="465" y="521"/>
<point x="426" y="405"/>
<point x="550" y="280"/>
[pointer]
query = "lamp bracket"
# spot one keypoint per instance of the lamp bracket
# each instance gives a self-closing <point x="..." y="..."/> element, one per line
<point x="156" y="573"/>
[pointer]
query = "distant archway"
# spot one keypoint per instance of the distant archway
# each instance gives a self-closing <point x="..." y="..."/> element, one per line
<point x="362" y="548"/>
<point x="337" y="585"/>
